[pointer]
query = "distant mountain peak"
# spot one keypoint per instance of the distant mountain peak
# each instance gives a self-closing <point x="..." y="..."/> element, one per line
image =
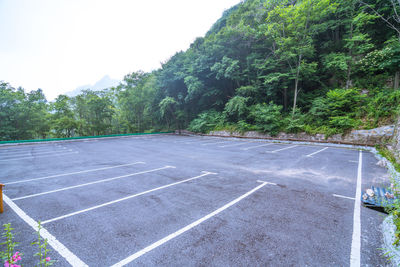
<point x="105" y="82"/>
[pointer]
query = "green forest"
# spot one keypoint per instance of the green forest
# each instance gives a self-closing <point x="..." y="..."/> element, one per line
<point x="315" y="66"/>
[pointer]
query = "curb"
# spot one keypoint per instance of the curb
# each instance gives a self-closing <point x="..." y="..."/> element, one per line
<point x="388" y="230"/>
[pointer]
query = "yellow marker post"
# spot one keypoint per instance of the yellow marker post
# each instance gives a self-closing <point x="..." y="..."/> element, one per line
<point x="1" y="198"/>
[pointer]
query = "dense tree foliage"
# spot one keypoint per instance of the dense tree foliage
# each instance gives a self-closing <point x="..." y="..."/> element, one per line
<point x="268" y="65"/>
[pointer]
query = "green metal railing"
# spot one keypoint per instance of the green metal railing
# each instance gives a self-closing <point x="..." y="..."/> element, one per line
<point x="78" y="137"/>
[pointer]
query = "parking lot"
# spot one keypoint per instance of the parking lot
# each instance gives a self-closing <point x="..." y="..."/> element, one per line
<point x="175" y="200"/>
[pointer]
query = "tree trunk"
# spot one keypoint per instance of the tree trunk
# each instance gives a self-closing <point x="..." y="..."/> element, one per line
<point x="285" y="102"/>
<point x="396" y="80"/>
<point x="296" y="83"/>
<point x="349" y="67"/>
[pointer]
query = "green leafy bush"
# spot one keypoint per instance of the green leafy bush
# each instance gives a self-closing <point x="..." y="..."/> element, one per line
<point x="243" y="126"/>
<point x="236" y="108"/>
<point x="344" y="102"/>
<point x="267" y="117"/>
<point x="328" y="131"/>
<point x="206" y="121"/>
<point x="295" y="123"/>
<point x="384" y="103"/>
<point x="342" y="122"/>
<point x="319" y="112"/>
<point x="341" y="110"/>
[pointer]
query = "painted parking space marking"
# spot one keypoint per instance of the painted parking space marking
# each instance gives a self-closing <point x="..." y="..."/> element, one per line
<point x="196" y="141"/>
<point x="261" y="181"/>
<point x="285" y="148"/>
<point x="206" y="140"/>
<point x="34" y="153"/>
<point x="42" y="156"/>
<point x="92" y="183"/>
<point x="252" y="147"/>
<point x="215" y="143"/>
<point x="345" y="197"/>
<point x="238" y="144"/>
<point x="22" y="153"/>
<point x="21" y="148"/>
<point x="33" y="150"/>
<point x="355" y="255"/>
<point x="57" y="245"/>
<point x="72" y="173"/>
<point x="186" y="228"/>
<point x="319" y="151"/>
<point x="205" y="173"/>
<point x="181" y="141"/>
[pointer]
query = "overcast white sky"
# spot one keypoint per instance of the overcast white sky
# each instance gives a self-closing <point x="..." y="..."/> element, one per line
<point x="58" y="45"/>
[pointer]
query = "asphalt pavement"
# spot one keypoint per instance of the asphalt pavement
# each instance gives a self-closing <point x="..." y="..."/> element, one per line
<point x="171" y="200"/>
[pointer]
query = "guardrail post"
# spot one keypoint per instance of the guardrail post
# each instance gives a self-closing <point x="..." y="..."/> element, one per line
<point x="1" y="198"/>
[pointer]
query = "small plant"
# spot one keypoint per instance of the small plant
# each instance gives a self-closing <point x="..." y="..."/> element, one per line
<point x="8" y="255"/>
<point x="41" y="243"/>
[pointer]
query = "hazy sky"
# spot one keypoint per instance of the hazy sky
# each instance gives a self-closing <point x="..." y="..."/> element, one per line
<point x="58" y="45"/>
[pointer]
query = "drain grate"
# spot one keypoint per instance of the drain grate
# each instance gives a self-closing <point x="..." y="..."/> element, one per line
<point x="378" y="197"/>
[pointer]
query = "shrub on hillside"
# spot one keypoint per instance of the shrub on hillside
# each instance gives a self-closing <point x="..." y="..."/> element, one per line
<point x="206" y="121"/>
<point x="267" y="117"/>
<point x="295" y="123"/>
<point x="384" y="104"/>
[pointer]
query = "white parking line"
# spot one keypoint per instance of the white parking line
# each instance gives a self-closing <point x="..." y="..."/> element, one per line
<point x="355" y="255"/>
<point x="208" y="140"/>
<point x="336" y="195"/>
<point x="238" y="144"/>
<point x="71" y="173"/>
<point x="185" y="141"/>
<point x="274" y="151"/>
<point x="57" y="245"/>
<point x="34" y="157"/>
<point x="32" y="149"/>
<point x="214" y="143"/>
<point x="261" y="181"/>
<point x="247" y="148"/>
<point x="185" y="229"/>
<point x="181" y="141"/>
<point x="190" y="142"/>
<point x="312" y="154"/>
<point x="34" y="153"/>
<point x="91" y="183"/>
<point x="126" y="198"/>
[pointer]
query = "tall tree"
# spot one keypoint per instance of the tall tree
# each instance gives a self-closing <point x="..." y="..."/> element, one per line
<point x="292" y="26"/>
<point x="392" y="20"/>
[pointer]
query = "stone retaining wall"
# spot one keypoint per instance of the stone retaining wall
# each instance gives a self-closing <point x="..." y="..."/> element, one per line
<point x="396" y="141"/>
<point x="372" y="137"/>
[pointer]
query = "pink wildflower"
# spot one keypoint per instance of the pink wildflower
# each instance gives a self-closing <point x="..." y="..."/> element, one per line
<point x="6" y="264"/>
<point x="48" y="259"/>
<point x="16" y="257"/>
